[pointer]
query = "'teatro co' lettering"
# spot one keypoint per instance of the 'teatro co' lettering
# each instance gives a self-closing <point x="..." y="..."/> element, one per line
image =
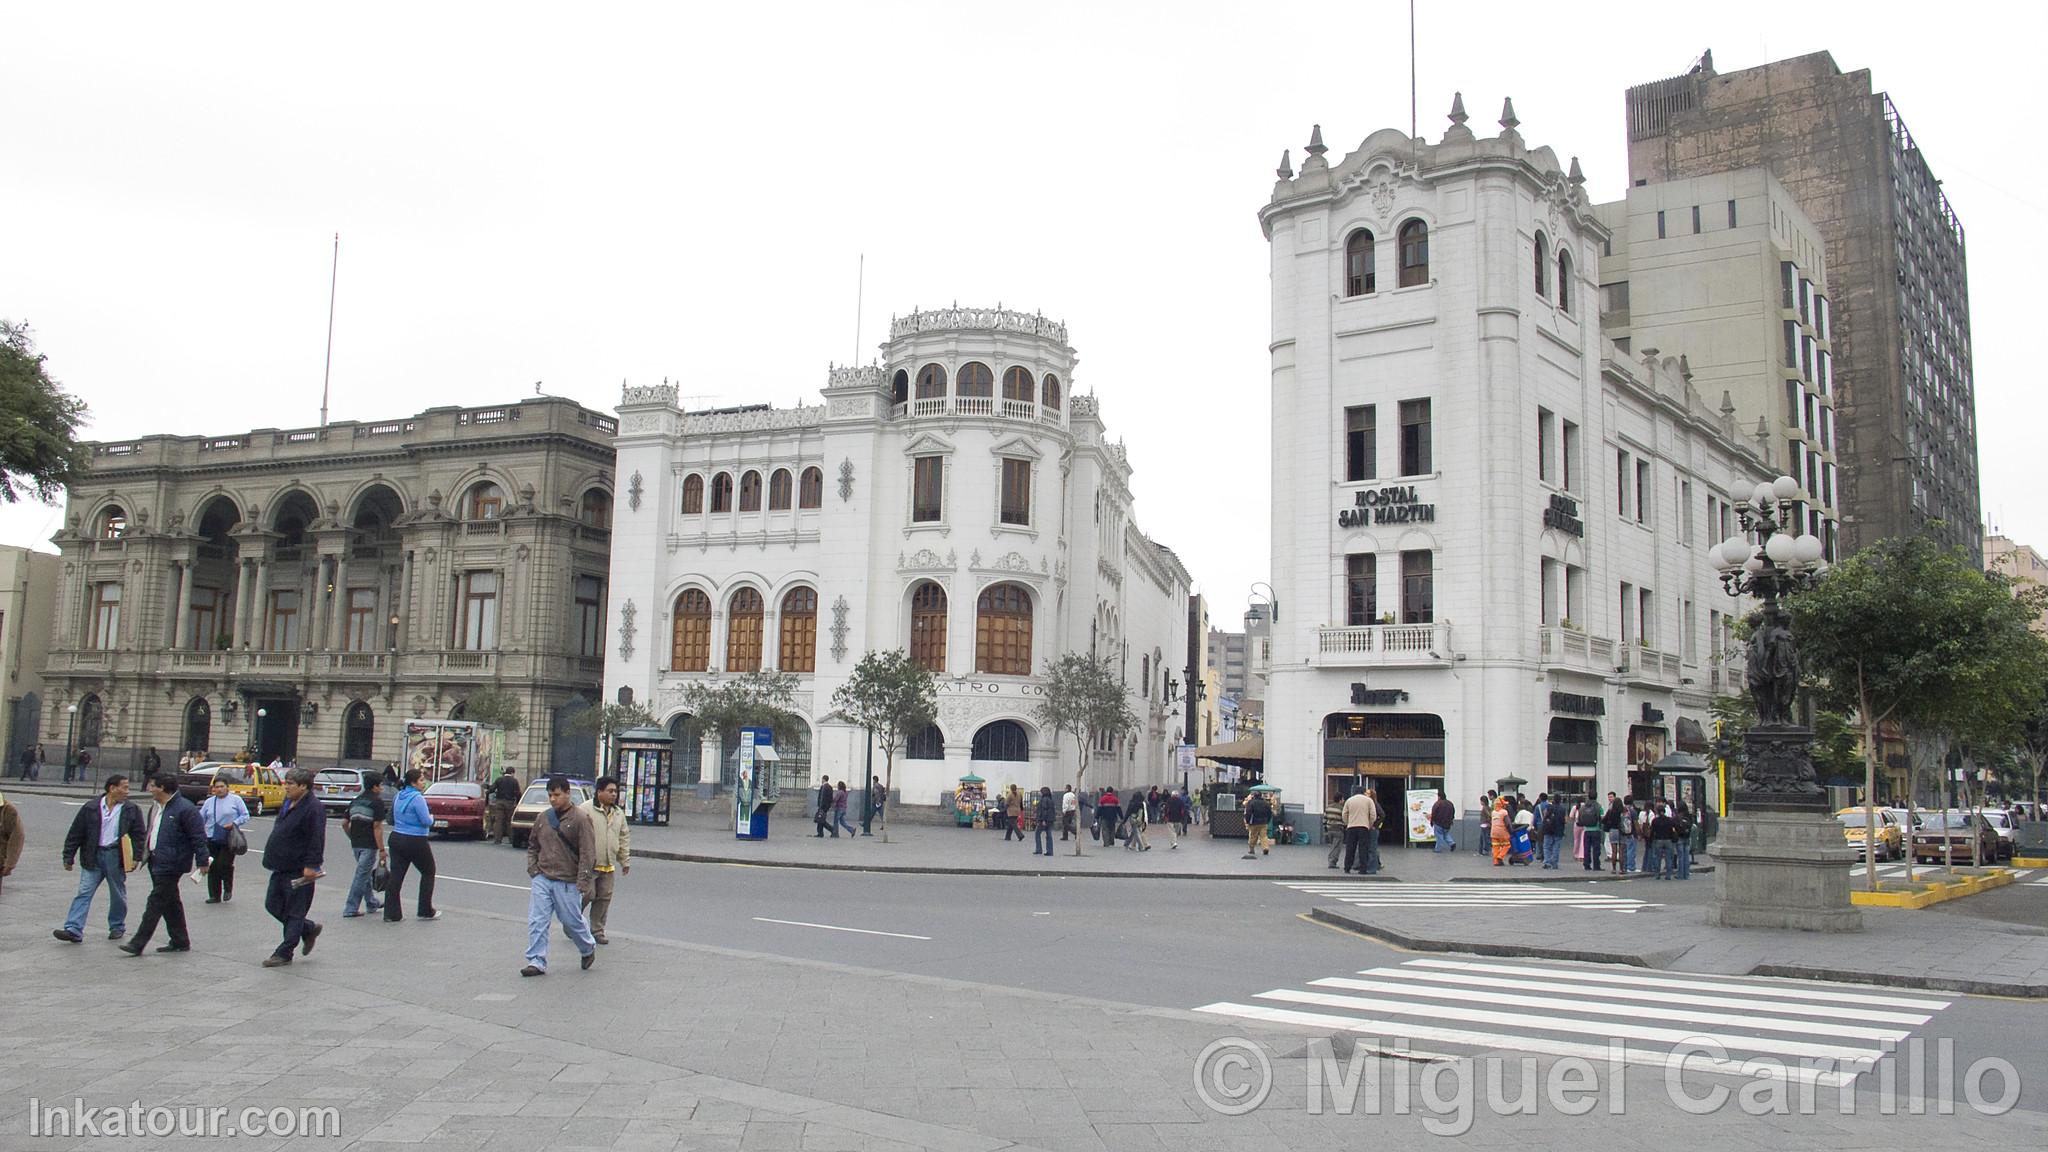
<point x="1396" y="505"/>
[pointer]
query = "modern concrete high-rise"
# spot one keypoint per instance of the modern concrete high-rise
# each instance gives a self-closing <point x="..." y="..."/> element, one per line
<point x="1895" y="261"/>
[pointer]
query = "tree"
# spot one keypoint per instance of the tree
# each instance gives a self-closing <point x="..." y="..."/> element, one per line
<point x="1911" y="632"/>
<point x="39" y="422"/>
<point x="489" y="705"/>
<point x="1086" y="700"/>
<point x="750" y="700"/>
<point x="893" y="697"/>
<point x="604" y="721"/>
<point x="2031" y="749"/>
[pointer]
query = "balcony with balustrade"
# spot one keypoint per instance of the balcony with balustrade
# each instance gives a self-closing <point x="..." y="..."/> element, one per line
<point x="1382" y="645"/>
<point x="1571" y="648"/>
<point x="1645" y="665"/>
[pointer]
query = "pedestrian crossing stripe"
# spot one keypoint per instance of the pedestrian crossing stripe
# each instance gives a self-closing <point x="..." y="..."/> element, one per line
<point x="1824" y="1036"/>
<point x="1368" y="894"/>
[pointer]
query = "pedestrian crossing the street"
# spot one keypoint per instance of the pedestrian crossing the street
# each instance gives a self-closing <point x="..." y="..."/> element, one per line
<point x="1826" y="1035"/>
<point x="1368" y="894"/>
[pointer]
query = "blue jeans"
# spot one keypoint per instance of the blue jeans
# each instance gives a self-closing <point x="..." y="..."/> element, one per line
<point x="360" y="894"/>
<point x="1041" y="840"/>
<point x="1552" y="845"/>
<point x="555" y="900"/>
<point x="1628" y="854"/>
<point x="1654" y="858"/>
<point x="1593" y="838"/>
<point x="1444" y="843"/>
<point x="105" y="866"/>
<point x="1684" y="860"/>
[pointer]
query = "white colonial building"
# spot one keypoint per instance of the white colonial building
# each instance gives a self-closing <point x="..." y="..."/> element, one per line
<point x="957" y="500"/>
<point x="1491" y="528"/>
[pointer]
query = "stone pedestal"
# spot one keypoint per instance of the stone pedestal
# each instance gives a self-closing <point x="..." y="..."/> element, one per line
<point x="1783" y="868"/>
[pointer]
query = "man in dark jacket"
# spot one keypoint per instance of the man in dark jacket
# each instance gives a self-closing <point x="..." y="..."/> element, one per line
<point x="94" y="841"/>
<point x="292" y="856"/>
<point x="1047" y="810"/>
<point x="824" y="813"/>
<point x="505" y="794"/>
<point x="1442" y="815"/>
<point x="177" y="840"/>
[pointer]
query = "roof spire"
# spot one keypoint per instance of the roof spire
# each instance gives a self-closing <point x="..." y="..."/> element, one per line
<point x="1507" y="114"/>
<point x="1315" y="142"/>
<point x="1578" y="174"/>
<point x="1458" y="109"/>
<point x="1286" y="169"/>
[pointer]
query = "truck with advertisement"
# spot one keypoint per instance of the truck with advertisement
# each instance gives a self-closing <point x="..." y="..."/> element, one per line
<point x="453" y="750"/>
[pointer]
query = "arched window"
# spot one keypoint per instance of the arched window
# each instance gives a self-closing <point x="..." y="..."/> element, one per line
<point x="750" y="492"/>
<point x="198" y="725"/>
<point x="693" y="495"/>
<point x="1052" y="392"/>
<point x="721" y="492"/>
<point x="1564" y="282"/>
<point x="931" y="382"/>
<point x="597" y="509"/>
<point x="486" y="502"/>
<point x="778" y="491"/>
<point x="113" y="523"/>
<point x="1358" y="270"/>
<point x="1414" y="253"/>
<point x="1018" y="385"/>
<point x="689" y="750"/>
<point x="358" y="728"/>
<point x="928" y="626"/>
<point x="1542" y="265"/>
<point x="691" y="639"/>
<point x="799" y="631"/>
<point x="1002" y="631"/>
<point x="810" y="491"/>
<point x="927" y="743"/>
<point x="1002" y="740"/>
<point x="743" y="631"/>
<point x="975" y="380"/>
<point x="899" y="387"/>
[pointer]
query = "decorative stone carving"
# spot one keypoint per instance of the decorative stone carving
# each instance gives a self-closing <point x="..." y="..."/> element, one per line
<point x="853" y="376"/>
<point x="633" y="490"/>
<point x="626" y="630"/>
<point x="639" y="422"/>
<point x="1011" y="562"/>
<point x="924" y="560"/>
<point x="998" y="318"/>
<point x="839" y="628"/>
<point x="1777" y="768"/>
<point x="842" y="406"/>
<point x="974" y="560"/>
<point x="846" y="479"/>
<point x="648" y="394"/>
<point x="754" y="419"/>
<point x="1382" y="193"/>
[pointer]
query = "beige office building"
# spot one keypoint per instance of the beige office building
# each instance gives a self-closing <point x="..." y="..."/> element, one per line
<point x="28" y="593"/>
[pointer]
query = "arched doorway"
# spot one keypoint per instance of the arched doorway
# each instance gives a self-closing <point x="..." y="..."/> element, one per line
<point x="573" y="750"/>
<point x="284" y="623"/>
<point x="198" y="726"/>
<point x="794" y="748"/>
<point x="215" y="570"/>
<point x="358" y="732"/>
<point x="688" y="766"/>
<point x="1002" y="740"/>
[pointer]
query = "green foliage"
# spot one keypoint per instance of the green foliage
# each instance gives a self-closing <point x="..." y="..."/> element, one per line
<point x="494" y="706"/>
<point x="892" y="696"/>
<point x="1086" y="700"/>
<point x="1835" y="749"/>
<point x="39" y="422"/>
<point x="749" y="700"/>
<point x="607" y="720"/>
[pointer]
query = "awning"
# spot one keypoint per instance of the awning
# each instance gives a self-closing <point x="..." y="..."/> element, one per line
<point x="766" y="752"/>
<point x="1246" y="752"/>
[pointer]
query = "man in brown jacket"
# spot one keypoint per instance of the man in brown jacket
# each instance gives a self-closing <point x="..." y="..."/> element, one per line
<point x="561" y="857"/>
<point x="11" y="838"/>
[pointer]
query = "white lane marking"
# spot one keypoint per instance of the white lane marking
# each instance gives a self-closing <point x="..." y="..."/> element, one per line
<point x="486" y="883"/>
<point x="1658" y="996"/>
<point x="1800" y="1074"/>
<point x="837" y="928"/>
<point x="1616" y="976"/>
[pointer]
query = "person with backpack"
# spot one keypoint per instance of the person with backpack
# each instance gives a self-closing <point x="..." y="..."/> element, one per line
<point x="1682" y="824"/>
<point x="364" y="823"/>
<point x="1662" y="861"/>
<point x="1442" y="815"/>
<point x="1553" y="831"/>
<point x="1589" y="819"/>
<point x="1258" y="836"/>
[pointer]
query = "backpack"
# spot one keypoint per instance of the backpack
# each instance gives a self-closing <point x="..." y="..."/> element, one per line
<point x="1553" y="821"/>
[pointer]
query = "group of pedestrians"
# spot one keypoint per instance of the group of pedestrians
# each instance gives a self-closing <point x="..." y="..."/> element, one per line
<point x="1614" y="837"/>
<point x="29" y="768"/>
<point x="829" y="803"/>
<point x="1129" y="819"/>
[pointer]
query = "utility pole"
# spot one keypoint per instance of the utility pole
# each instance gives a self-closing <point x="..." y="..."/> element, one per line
<point x="327" y="373"/>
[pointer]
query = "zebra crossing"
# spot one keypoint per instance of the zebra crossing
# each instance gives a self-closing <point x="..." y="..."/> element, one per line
<point x="1826" y="1035"/>
<point x="1368" y="894"/>
<point x="2037" y="877"/>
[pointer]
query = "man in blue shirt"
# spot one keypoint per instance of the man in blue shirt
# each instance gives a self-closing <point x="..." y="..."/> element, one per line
<point x="177" y="838"/>
<point x="292" y="855"/>
<point x="222" y="813"/>
<point x="95" y="842"/>
<point x="410" y="824"/>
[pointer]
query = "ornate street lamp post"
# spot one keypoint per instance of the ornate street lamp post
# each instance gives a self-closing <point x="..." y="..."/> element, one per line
<point x="1782" y="862"/>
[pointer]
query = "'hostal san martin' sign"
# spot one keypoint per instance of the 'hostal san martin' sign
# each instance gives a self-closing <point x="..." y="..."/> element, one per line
<point x="1396" y="505"/>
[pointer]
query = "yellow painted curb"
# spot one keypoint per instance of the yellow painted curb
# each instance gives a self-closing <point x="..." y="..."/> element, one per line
<point x="1934" y="892"/>
<point x="2029" y="862"/>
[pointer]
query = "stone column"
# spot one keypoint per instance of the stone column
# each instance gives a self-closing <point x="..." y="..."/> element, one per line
<point x="182" y="608"/>
<point x="242" y="606"/>
<point x="337" y="612"/>
<point x="405" y="599"/>
<point x="309" y="603"/>
<point x="260" y="609"/>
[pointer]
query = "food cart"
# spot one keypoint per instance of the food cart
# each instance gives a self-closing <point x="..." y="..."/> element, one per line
<point x="1223" y="801"/>
<point x="969" y="800"/>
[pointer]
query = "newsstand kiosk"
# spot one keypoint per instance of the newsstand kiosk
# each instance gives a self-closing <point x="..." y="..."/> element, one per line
<point x="757" y="784"/>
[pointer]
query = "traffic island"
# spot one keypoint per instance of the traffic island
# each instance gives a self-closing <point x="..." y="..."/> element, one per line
<point x="1916" y="893"/>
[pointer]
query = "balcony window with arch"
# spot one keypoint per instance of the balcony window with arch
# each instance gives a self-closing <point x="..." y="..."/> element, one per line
<point x="113" y="523"/>
<point x="927" y="743"/>
<point x="1358" y="270"/>
<point x="1564" y="282"/>
<point x="1001" y="740"/>
<point x="931" y="388"/>
<point x="799" y="651"/>
<point x="811" y="488"/>
<point x="779" y="491"/>
<point x="928" y="627"/>
<point x="1002" y="631"/>
<point x="743" y="631"/>
<point x="750" y="492"/>
<point x="1052" y="392"/>
<point x="975" y="388"/>
<point x="597" y="510"/>
<point x="1542" y="265"/>
<point x="1019" y="392"/>
<point x="690" y="638"/>
<point x="1414" y="243"/>
<point x="899" y="387"/>
<point x="693" y="495"/>
<point x="721" y="492"/>
<point x="486" y="502"/>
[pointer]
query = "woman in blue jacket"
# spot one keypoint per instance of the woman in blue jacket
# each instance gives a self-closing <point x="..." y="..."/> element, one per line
<point x="410" y="824"/>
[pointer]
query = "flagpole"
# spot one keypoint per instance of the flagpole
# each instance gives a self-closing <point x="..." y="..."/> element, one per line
<point x="327" y="373"/>
<point x="859" y="294"/>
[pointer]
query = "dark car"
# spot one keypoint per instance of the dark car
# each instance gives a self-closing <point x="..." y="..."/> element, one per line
<point x="457" y="807"/>
<point x="337" y="788"/>
<point x="193" y="784"/>
<point x="1964" y="837"/>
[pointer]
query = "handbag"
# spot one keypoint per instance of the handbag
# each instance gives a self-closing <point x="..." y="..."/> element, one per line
<point x="237" y="843"/>
<point x="380" y="876"/>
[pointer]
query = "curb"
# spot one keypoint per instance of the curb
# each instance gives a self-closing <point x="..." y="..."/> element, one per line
<point x="2028" y="862"/>
<point x="1935" y="892"/>
<point x="944" y="870"/>
<point x="1898" y="980"/>
<point x="1343" y="922"/>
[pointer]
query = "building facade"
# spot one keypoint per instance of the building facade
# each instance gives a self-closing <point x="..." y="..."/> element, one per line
<point x="956" y="500"/>
<point x="301" y="593"/>
<point x="2021" y="564"/>
<point x="1491" y="528"/>
<point x="28" y="597"/>
<point x="1226" y="653"/>
<point x="1896" y="260"/>
<point x="1726" y="271"/>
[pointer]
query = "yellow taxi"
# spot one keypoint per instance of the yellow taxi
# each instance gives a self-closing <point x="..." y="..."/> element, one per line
<point x="1891" y="842"/>
<point x="260" y="787"/>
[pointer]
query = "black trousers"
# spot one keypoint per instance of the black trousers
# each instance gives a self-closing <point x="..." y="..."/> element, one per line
<point x="288" y="906"/>
<point x="167" y="904"/>
<point x="1357" y="853"/>
<point x="220" y="875"/>
<point x="409" y="852"/>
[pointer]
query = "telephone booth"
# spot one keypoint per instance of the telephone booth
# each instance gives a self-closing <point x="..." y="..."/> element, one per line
<point x="757" y="784"/>
<point x="642" y="761"/>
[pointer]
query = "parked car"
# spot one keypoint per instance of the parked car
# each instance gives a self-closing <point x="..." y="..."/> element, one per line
<point x="2003" y="827"/>
<point x="336" y="788"/>
<point x="1962" y="836"/>
<point x="456" y="807"/>
<point x="260" y="787"/>
<point x="1890" y="837"/>
<point x="533" y="803"/>
<point x="194" y="782"/>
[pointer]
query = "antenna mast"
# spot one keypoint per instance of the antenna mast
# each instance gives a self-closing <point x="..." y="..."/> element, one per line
<point x="859" y="294"/>
<point x="1412" y="125"/>
<point x="327" y="373"/>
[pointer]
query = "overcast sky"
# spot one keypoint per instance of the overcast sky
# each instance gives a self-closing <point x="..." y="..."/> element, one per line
<point x="580" y="194"/>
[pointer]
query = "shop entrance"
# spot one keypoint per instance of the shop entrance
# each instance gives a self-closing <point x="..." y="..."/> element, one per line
<point x="1391" y="754"/>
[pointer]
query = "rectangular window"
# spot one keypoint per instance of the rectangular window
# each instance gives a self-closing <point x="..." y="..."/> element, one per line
<point x="1361" y="594"/>
<point x="282" y="635"/>
<point x="589" y="616"/>
<point x="1415" y="459"/>
<point x="1546" y="437"/>
<point x="1695" y="219"/>
<point x="1692" y="640"/>
<point x="106" y="616"/>
<point x="205" y="609"/>
<point x="1016" y="492"/>
<point x="1621" y="479"/>
<point x="1550" y="576"/>
<point x="477" y="625"/>
<point x="1791" y="343"/>
<point x="362" y="620"/>
<point x="1713" y="636"/>
<point x="1569" y="458"/>
<point x="928" y="489"/>
<point x="1660" y="224"/>
<point x="1785" y="281"/>
<point x="1820" y="316"/>
<point x="1685" y="502"/>
<point x="1731" y="213"/>
<point x="1628" y="611"/>
<point x="1643" y="492"/>
<point x="1646" y="618"/>
<point x="1792" y="402"/>
<point x="1805" y="301"/>
<point x="1575" y="594"/>
<point x="1361" y="450"/>
<point x="1418" y="588"/>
